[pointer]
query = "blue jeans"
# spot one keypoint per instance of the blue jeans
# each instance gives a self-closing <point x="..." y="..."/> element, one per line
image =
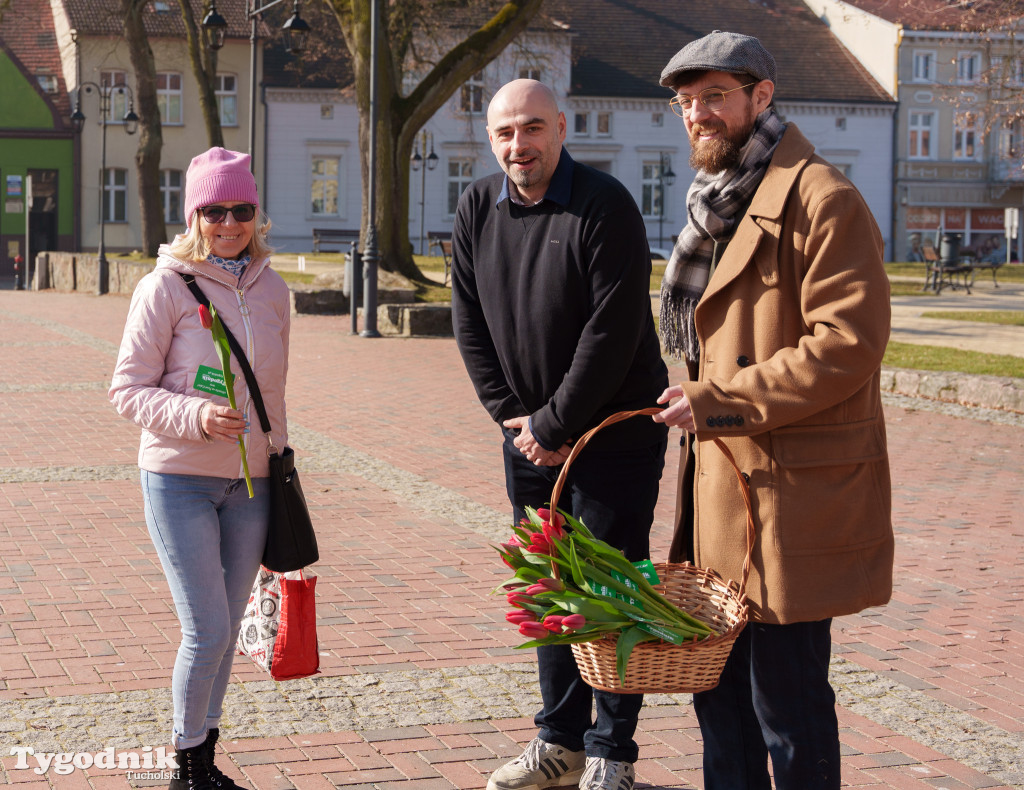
<point x="774" y="699"/>
<point x="614" y="493"/>
<point x="209" y="536"/>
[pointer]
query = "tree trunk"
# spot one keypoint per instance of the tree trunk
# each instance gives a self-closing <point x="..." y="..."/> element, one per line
<point x="204" y="69"/>
<point x="147" y="156"/>
<point x="400" y="118"/>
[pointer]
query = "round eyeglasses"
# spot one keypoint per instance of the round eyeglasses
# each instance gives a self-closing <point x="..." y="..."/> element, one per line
<point x="713" y="100"/>
<point x="243" y="212"/>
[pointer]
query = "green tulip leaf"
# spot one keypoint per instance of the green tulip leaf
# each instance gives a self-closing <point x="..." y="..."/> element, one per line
<point x="628" y="639"/>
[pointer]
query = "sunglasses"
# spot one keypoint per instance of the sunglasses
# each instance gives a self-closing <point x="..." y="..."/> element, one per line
<point x="713" y="100"/>
<point x="243" y="212"/>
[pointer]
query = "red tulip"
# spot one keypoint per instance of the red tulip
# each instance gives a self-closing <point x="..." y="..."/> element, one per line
<point x="520" y="616"/>
<point x="573" y="622"/>
<point x="539" y="544"/>
<point x="545" y="585"/>
<point x="553" y="623"/>
<point x="204" y="317"/>
<point x="552" y="526"/>
<point x="533" y="630"/>
<point x="518" y="599"/>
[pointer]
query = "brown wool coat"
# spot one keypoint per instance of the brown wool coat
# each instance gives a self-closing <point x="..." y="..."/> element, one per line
<point x="792" y="329"/>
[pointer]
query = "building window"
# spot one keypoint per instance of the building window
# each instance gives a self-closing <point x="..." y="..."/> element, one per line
<point x="118" y="99"/>
<point x="225" y="86"/>
<point x="168" y="97"/>
<point x="841" y="124"/>
<point x="968" y="67"/>
<point x="460" y="176"/>
<point x="1008" y="141"/>
<point x="650" y="189"/>
<point x="326" y="112"/>
<point x="1007" y="72"/>
<point x="324" y="191"/>
<point x="471" y="98"/>
<point x="657" y="119"/>
<point x="604" y="124"/>
<point x="920" y="144"/>
<point x="581" y="124"/>
<point x="924" y="66"/>
<point x="115" y="195"/>
<point x="48" y="82"/>
<point x="965" y="136"/>
<point x="170" y="193"/>
<point x="530" y="73"/>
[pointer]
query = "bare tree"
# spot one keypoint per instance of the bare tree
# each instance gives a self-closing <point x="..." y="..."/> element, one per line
<point x="204" y="66"/>
<point x="401" y="116"/>
<point x="147" y="156"/>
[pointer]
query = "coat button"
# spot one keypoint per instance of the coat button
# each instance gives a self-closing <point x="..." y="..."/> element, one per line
<point x="746" y="477"/>
<point x="730" y="420"/>
<point x="710" y="421"/>
<point x="742" y="361"/>
<point x="739" y="420"/>
<point x="719" y="420"/>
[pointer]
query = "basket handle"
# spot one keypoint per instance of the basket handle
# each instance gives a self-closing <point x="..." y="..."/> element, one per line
<point x="625" y="415"/>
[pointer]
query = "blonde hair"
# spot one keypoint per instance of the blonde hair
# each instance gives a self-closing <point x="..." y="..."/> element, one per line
<point x="193" y="246"/>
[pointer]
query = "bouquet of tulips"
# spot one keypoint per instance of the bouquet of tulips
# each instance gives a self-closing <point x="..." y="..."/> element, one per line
<point x="572" y="587"/>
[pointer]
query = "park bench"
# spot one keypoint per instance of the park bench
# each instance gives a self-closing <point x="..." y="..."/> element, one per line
<point x="442" y="241"/>
<point x="991" y="266"/>
<point x="333" y="236"/>
<point x="939" y="273"/>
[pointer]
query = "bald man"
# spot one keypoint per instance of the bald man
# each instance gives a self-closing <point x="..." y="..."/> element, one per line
<point x="552" y="314"/>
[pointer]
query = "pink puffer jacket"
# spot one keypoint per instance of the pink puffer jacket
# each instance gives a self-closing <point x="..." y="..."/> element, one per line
<point x="161" y="351"/>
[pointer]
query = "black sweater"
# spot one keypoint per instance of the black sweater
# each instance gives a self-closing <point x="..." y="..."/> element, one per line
<point x="551" y="307"/>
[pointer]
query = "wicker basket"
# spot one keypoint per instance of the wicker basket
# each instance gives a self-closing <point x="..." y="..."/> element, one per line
<point x="661" y="667"/>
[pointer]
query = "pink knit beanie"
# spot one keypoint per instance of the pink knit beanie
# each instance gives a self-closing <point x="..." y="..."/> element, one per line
<point x="218" y="175"/>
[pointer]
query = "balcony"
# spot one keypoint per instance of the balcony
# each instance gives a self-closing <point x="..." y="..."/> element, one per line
<point x="1007" y="170"/>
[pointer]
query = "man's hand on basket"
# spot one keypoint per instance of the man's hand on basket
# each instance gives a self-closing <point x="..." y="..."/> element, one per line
<point x="531" y="448"/>
<point x="678" y="415"/>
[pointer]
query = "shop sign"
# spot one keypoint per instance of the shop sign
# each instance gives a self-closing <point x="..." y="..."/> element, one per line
<point x="987" y="219"/>
<point x="923" y="218"/>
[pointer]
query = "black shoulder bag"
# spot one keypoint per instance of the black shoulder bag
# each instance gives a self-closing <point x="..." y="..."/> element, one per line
<point x="291" y="543"/>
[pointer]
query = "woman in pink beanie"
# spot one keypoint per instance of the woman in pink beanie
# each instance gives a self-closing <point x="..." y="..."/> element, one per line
<point x="208" y="533"/>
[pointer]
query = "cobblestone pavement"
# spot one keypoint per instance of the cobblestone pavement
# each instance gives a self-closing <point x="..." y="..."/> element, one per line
<point x="421" y="684"/>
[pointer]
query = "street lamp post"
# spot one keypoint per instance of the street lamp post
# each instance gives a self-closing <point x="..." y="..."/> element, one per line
<point x="419" y="158"/>
<point x="293" y="31"/>
<point x="666" y="178"/>
<point x="131" y="121"/>
<point x="371" y="254"/>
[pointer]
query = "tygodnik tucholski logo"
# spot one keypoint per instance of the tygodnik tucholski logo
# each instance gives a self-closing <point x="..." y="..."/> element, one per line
<point x="148" y="763"/>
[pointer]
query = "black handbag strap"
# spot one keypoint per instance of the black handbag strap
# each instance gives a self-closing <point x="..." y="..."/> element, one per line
<point x="236" y="349"/>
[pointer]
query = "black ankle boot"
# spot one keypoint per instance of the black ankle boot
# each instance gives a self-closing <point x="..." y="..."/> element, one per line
<point x="217" y="778"/>
<point x="193" y="772"/>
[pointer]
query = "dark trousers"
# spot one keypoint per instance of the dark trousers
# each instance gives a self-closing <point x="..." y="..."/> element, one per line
<point x="774" y="699"/>
<point x="614" y="494"/>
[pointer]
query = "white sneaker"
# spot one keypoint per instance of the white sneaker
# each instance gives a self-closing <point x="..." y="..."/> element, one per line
<point x="542" y="765"/>
<point x="602" y="774"/>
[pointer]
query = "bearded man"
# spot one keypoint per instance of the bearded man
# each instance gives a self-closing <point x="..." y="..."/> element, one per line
<point x="776" y="296"/>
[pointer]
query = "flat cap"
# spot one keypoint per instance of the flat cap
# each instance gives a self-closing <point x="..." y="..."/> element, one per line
<point x="721" y="51"/>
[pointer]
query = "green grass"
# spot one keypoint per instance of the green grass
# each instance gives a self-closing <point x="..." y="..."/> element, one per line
<point x="1010" y="273"/>
<point x="917" y="357"/>
<point x="296" y="277"/>
<point x="1001" y="317"/>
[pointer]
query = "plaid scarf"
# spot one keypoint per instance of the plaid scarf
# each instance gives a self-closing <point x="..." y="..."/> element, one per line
<point x="715" y="203"/>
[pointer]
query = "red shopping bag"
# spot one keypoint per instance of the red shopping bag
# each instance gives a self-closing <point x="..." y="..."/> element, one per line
<point x="279" y="626"/>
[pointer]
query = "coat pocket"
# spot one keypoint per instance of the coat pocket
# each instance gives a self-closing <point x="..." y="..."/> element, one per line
<point x="832" y="487"/>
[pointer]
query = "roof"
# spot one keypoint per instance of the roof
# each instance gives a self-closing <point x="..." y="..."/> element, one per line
<point x="27" y="32"/>
<point x="951" y="15"/>
<point x="621" y="46"/>
<point x="161" y="18"/>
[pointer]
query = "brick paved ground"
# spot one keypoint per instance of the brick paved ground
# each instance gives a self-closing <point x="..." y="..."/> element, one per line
<point x="421" y="684"/>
